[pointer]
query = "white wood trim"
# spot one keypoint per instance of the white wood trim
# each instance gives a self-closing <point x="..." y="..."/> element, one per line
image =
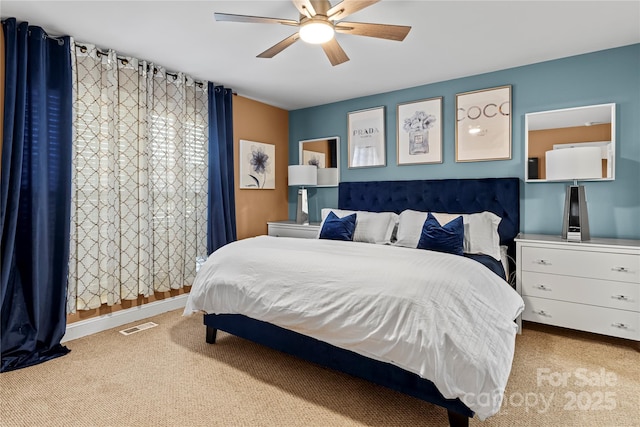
<point x="596" y="242"/>
<point x="86" y="327"/>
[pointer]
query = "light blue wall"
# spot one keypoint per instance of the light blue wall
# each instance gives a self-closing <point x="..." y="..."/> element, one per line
<point x="602" y="77"/>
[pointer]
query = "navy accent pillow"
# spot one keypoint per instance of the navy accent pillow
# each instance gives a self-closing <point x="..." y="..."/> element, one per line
<point x="448" y="238"/>
<point x="335" y="228"/>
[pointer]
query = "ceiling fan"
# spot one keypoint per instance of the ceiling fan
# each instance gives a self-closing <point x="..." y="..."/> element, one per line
<point x="318" y="23"/>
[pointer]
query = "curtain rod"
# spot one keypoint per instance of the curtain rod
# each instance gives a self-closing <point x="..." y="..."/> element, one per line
<point x="125" y="61"/>
<point x="59" y="39"/>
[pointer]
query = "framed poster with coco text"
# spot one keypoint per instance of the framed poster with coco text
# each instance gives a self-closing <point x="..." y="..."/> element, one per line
<point x="483" y="125"/>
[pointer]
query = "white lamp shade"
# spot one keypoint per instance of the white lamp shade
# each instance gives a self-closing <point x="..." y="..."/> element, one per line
<point x="303" y="175"/>
<point x="574" y="163"/>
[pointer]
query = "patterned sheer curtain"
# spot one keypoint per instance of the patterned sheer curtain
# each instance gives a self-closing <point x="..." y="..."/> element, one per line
<point x="139" y="213"/>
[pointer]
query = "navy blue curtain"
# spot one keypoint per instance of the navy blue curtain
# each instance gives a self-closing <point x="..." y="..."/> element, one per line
<point x="221" y="217"/>
<point x="36" y="195"/>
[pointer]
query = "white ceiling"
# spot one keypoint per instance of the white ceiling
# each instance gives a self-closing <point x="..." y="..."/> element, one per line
<point x="449" y="39"/>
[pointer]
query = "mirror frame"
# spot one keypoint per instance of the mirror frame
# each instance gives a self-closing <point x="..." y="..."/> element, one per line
<point x="333" y="180"/>
<point x="576" y="114"/>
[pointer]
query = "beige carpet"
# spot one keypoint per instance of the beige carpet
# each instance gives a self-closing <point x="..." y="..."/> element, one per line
<point x="169" y="376"/>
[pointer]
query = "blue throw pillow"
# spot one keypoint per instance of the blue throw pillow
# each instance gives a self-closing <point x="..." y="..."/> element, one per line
<point x="335" y="228"/>
<point x="448" y="238"/>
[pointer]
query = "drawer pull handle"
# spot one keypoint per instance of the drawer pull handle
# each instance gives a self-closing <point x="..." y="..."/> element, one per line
<point x="542" y="313"/>
<point x="620" y="269"/>
<point x="542" y="262"/>
<point x="620" y="297"/>
<point x="620" y="325"/>
<point x="543" y="287"/>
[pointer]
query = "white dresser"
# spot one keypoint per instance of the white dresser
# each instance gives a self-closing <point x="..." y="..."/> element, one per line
<point x="591" y="286"/>
<point x="292" y="229"/>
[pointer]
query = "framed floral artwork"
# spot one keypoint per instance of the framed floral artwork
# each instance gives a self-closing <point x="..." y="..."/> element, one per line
<point x="257" y="165"/>
<point x="483" y="125"/>
<point x="366" y="143"/>
<point x="419" y="132"/>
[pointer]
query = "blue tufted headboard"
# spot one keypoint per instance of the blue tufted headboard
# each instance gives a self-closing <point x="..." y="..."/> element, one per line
<point x="498" y="195"/>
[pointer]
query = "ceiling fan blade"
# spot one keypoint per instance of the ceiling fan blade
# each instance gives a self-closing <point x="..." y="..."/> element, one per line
<point x="280" y="46"/>
<point x="381" y="31"/>
<point x="321" y="6"/>
<point x="347" y="7"/>
<point x="334" y="52"/>
<point x="304" y="7"/>
<point x="253" y="19"/>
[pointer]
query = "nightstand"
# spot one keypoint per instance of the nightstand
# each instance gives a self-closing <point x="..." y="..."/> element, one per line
<point x="591" y="286"/>
<point x="292" y="229"/>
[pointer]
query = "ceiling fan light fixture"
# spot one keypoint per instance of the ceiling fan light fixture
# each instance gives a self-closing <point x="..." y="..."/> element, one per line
<point x="316" y="31"/>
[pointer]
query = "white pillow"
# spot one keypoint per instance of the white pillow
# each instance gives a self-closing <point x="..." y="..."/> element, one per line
<point x="410" y="228"/>
<point x="371" y="227"/>
<point x="480" y="230"/>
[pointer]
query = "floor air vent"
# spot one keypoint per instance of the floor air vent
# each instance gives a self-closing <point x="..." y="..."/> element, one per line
<point x="138" y="328"/>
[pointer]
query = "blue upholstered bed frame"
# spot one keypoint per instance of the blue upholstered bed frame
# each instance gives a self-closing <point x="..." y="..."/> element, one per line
<point x="498" y="195"/>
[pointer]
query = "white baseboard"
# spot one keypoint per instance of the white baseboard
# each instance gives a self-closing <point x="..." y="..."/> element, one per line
<point x="86" y="327"/>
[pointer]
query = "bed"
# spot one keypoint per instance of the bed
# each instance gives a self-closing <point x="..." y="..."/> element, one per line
<point x="400" y="352"/>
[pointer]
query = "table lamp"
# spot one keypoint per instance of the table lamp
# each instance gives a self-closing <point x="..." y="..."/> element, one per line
<point x="573" y="164"/>
<point x="303" y="176"/>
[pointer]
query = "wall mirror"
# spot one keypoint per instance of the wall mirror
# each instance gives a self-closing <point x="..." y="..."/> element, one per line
<point x="588" y="126"/>
<point x="325" y="154"/>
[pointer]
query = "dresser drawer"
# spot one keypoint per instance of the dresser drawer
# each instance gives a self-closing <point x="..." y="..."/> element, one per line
<point x="582" y="263"/>
<point x="619" y="295"/>
<point x="600" y="320"/>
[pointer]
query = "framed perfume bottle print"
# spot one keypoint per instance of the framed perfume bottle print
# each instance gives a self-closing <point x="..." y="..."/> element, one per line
<point x="419" y="132"/>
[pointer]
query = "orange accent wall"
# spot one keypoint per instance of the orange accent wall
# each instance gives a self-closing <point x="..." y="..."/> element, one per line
<point x="255" y="121"/>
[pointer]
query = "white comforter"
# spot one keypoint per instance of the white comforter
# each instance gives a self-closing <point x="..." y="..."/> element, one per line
<point x="444" y="317"/>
